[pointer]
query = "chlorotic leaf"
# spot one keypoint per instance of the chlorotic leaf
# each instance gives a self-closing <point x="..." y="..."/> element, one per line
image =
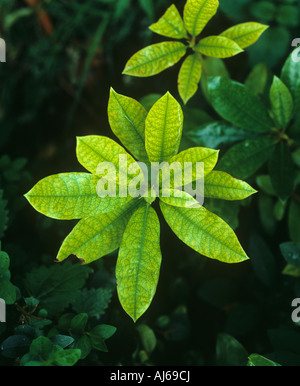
<point x="180" y="198"/>
<point x="245" y="158"/>
<point x="68" y="196"/>
<point x="235" y="103"/>
<point x="163" y="129"/>
<point x="96" y="236"/>
<point x="138" y="264"/>
<point x="224" y="186"/>
<point x="127" y="121"/>
<point x="281" y="102"/>
<point x="197" y="154"/>
<point x="197" y="13"/>
<point x="154" y="59"/>
<point x="170" y="24"/>
<point x="245" y="34"/>
<point x="205" y="232"/>
<point x="189" y="77"/>
<point x="94" y="150"/>
<point x="218" y="47"/>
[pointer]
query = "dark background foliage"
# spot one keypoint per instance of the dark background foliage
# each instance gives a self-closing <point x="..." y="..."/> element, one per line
<point x="62" y="58"/>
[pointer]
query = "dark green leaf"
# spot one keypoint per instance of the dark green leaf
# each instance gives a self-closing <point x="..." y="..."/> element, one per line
<point x="291" y="252"/>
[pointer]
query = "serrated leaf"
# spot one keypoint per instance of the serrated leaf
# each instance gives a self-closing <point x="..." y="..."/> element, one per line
<point x="56" y="286"/>
<point x="170" y="24"/>
<point x="138" y="264"/>
<point x="163" y="129"/>
<point x="7" y="291"/>
<point x="218" y="47"/>
<point x="245" y="34"/>
<point x="176" y="197"/>
<point x="281" y="103"/>
<point x="290" y="76"/>
<point x="94" y="150"/>
<point x="189" y="77"/>
<point x="69" y="196"/>
<point x="127" y="121"/>
<point x="154" y="59"/>
<point x="93" y="301"/>
<point x="205" y="232"/>
<point x="223" y="186"/>
<point x="245" y="158"/>
<point x="235" y="103"/>
<point x="282" y="171"/>
<point x="197" y="13"/>
<point x="97" y="236"/>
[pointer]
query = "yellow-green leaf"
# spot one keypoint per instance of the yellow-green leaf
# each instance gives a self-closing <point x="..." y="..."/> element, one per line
<point x="69" y="196"/>
<point x="197" y="13"/>
<point x="180" y="198"/>
<point x="205" y="232"/>
<point x="218" y="47"/>
<point x="163" y="129"/>
<point x="282" y="103"/>
<point x="127" y="120"/>
<point x="139" y="259"/>
<point x="170" y="24"/>
<point x="245" y="34"/>
<point x="94" y="151"/>
<point x="154" y="59"/>
<point x="189" y="77"/>
<point x="224" y="186"/>
<point x="193" y="155"/>
<point x="97" y="236"/>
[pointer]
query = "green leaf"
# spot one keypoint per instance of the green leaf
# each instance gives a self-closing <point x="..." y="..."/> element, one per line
<point x="205" y="232"/>
<point x="197" y="13"/>
<point x="64" y="358"/>
<point x="138" y="264"/>
<point x="218" y="47"/>
<point x="291" y="253"/>
<point x="224" y="186"/>
<point x="94" y="150"/>
<point x="7" y="291"/>
<point x="148" y="338"/>
<point x="93" y="301"/>
<point x="189" y="77"/>
<point x="4" y="262"/>
<point x="245" y="34"/>
<point x="281" y="103"/>
<point x="214" y="134"/>
<point x="154" y="59"/>
<point x="259" y="360"/>
<point x="79" y="322"/>
<point x="163" y="129"/>
<point x="99" y="334"/>
<point x="294" y="221"/>
<point x="235" y="103"/>
<point x="230" y="352"/>
<point x="127" y="121"/>
<point x="170" y="24"/>
<point x="245" y="158"/>
<point x="69" y="196"/>
<point x="290" y="76"/>
<point x="57" y="286"/>
<point x="176" y="197"/>
<point x="84" y="344"/>
<point x="97" y="236"/>
<point x="282" y="171"/>
<point x="257" y="79"/>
